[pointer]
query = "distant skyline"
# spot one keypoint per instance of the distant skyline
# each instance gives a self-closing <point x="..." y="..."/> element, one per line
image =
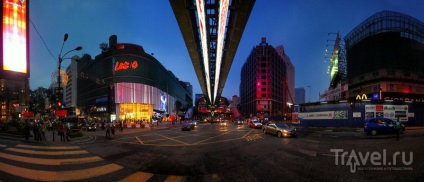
<point x="301" y="27"/>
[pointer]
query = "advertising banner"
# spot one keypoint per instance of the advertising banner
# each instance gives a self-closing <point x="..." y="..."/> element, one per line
<point x="324" y="115"/>
<point x="387" y="111"/>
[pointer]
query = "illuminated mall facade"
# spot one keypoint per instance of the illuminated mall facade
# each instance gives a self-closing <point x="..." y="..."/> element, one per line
<point x="126" y="84"/>
<point x="14" y="61"/>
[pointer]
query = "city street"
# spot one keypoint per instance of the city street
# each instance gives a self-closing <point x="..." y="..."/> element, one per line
<point x="215" y="153"/>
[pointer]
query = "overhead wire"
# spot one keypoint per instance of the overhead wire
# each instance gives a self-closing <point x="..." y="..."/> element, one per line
<point x="42" y="39"/>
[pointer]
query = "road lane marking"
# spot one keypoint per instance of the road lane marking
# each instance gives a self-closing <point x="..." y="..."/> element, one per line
<point x="55" y="162"/>
<point x="138" y="176"/>
<point x="307" y="152"/>
<point x="48" y="147"/>
<point x="73" y="152"/>
<point x="139" y="140"/>
<point x="172" y="139"/>
<point x="311" y="141"/>
<point x="247" y="133"/>
<point x="39" y="175"/>
<point x="175" y="179"/>
<point x="211" y="138"/>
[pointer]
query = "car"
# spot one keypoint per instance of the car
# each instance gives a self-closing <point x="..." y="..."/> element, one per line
<point x="89" y="127"/>
<point x="187" y="127"/>
<point x="376" y="126"/>
<point x="223" y="123"/>
<point x="238" y="121"/>
<point x="216" y="120"/>
<point x="194" y="122"/>
<point x="280" y="129"/>
<point x="255" y="124"/>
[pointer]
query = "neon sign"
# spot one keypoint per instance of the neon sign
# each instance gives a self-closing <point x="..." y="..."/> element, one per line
<point x="125" y="65"/>
<point x="15" y="35"/>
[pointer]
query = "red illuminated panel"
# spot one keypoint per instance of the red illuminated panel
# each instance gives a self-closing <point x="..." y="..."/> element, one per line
<point x="14" y="35"/>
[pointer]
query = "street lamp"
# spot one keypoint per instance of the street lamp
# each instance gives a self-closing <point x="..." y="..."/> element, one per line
<point x="309" y="93"/>
<point x="59" y="90"/>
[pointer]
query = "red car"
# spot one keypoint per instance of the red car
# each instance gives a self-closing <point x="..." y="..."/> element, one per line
<point x="255" y="124"/>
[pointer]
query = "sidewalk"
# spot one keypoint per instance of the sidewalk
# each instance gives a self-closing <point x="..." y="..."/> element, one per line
<point x="412" y="131"/>
<point x="52" y="137"/>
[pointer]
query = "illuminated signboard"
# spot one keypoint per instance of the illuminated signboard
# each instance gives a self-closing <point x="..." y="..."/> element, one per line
<point x="223" y="11"/>
<point x="15" y="35"/>
<point x="364" y="97"/>
<point x="124" y="65"/>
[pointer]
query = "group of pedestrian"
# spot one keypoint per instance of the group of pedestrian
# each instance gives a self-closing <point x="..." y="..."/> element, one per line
<point x="110" y="128"/>
<point x="38" y="130"/>
<point x="64" y="132"/>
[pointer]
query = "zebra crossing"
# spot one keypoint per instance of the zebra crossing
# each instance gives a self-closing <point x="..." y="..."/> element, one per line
<point x="65" y="163"/>
<point x="72" y="163"/>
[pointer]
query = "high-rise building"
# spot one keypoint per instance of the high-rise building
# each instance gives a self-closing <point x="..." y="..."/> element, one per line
<point x="299" y="95"/>
<point x="264" y="88"/>
<point x="288" y="95"/>
<point x="235" y="101"/>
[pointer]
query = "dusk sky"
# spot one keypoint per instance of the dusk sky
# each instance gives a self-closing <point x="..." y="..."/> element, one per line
<point x="301" y="26"/>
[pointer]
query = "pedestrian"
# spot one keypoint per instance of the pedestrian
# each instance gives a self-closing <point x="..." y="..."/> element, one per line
<point x="112" y="129"/>
<point x="35" y="131"/>
<point x="398" y="128"/>
<point x="39" y="124"/>
<point x="27" y="130"/>
<point x="43" y="132"/>
<point x="62" y="132"/>
<point x="50" y="125"/>
<point x="67" y="131"/>
<point x="107" y="131"/>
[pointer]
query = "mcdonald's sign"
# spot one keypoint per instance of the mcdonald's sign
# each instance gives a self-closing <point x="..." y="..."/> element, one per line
<point x="363" y="97"/>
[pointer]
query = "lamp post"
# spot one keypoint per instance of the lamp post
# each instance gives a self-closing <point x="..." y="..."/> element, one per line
<point x="309" y="93"/>
<point x="59" y="90"/>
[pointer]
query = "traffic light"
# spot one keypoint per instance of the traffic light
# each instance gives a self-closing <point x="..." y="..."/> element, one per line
<point x="352" y="105"/>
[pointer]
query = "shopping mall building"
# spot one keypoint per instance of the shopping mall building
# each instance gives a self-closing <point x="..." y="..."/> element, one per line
<point x="126" y="84"/>
<point x="385" y="75"/>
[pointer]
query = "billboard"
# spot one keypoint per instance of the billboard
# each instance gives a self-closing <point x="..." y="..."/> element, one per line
<point x="15" y="37"/>
<point x="387" y="111"/>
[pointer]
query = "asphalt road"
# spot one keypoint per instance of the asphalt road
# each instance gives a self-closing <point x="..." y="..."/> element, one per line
<point x="215" y="153"/>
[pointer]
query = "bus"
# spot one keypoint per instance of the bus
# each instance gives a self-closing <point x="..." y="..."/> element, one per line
<point x="75" y="122"/>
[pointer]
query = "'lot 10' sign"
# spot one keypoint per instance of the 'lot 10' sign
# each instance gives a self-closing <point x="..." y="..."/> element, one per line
<point x="125" y="65"/>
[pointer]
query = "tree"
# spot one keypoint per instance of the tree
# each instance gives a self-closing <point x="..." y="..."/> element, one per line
<point x="37" y="99"/>
<point x="104" y="47"/>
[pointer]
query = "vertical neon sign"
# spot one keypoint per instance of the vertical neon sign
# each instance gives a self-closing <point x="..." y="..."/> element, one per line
<point x="15" y="35"/>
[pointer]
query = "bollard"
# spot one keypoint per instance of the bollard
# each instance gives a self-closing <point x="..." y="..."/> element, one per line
<point x="53" y="135"/>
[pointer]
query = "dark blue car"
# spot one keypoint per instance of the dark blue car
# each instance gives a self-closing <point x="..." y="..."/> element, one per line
<point x="376" y="126"/>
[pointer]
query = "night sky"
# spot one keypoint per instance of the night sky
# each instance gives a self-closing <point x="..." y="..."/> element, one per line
<point x="301" y="26"/>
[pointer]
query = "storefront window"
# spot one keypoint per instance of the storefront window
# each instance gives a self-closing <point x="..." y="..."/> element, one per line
<point x="136" y="113"/>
